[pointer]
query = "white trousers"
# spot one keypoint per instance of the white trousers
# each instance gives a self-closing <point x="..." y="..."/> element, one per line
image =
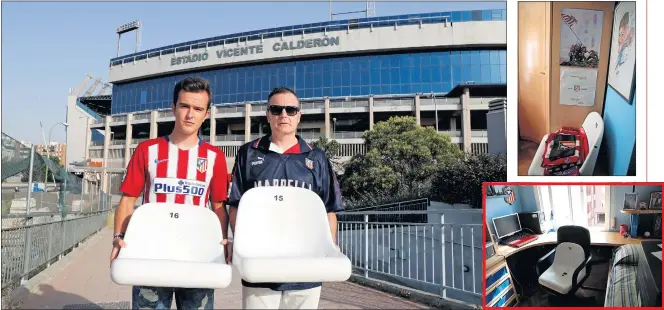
<point x="265" y="298"/>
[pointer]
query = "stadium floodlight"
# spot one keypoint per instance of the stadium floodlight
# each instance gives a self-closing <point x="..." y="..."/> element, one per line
<point x="370" y="10"/>
<point x="131" y="26"/>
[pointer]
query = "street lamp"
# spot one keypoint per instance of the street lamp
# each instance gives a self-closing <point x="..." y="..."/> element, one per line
<point x="334" y="127"/>
<point x="435" y="109"/>
<point x="48" y="151"/>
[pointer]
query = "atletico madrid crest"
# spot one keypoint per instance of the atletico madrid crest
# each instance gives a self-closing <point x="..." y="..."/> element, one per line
<point x="510" y="195"/>
<point x="201" y="165"/>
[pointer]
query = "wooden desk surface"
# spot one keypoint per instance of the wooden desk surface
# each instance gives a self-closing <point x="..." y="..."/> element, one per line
<point x="596" y="238"/>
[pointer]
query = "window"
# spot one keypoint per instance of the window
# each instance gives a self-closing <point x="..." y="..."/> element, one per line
<point x="585" y="206"/>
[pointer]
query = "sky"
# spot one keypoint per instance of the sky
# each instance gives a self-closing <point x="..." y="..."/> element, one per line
<point x="49" y="47"/>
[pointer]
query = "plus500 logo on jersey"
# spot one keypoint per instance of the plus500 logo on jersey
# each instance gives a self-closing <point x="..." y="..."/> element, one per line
<point x="178" y="186"/>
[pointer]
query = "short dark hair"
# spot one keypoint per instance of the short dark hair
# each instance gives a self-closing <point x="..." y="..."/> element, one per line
<point x="624" y="21"/>
<point x="281" y="90"/>
<point x="192" y="85"/>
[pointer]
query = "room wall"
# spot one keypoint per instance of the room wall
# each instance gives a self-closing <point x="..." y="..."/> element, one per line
<point x="496" y="206"/>
<point x="619" y="130"/>
<point x="618" y="198"/>
<point x="527" y="198"/>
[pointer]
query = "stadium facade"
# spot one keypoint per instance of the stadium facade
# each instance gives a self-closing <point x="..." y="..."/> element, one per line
<point x="443" y="68"/>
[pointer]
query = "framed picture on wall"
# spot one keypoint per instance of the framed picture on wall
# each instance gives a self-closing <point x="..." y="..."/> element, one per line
<point x="622" y="61"/>
<point x="631" y="200"/>
<point x="656" y="200"/>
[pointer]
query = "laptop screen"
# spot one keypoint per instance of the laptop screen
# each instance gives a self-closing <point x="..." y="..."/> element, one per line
<point x="506" y="225"/>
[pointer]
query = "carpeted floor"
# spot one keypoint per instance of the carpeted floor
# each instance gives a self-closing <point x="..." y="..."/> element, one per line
<point x="600" y="274"/>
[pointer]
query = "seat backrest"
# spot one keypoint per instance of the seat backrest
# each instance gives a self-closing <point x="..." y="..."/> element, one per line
<point x="576" y="235"/>
<point x="594" y="128"/>
<point x="174" y="232"/>
<point x="569" y="255"/>
<point x="281" y="221"/>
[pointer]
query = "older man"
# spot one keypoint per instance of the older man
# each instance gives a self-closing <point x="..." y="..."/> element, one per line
<point x="283" y="157"/>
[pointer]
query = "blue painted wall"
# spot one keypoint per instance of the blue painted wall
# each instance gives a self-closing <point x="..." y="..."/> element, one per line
<point x="496" y="206"/>
<point x="618" y="198"/>
<point x="527" y="198"/>
<point x="619" y="132"/>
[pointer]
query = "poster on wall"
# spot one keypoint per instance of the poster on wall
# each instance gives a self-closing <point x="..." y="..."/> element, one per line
<point x="577" y="86"/>
<point x="622" y="61"/>
<point x="580" y="41"/>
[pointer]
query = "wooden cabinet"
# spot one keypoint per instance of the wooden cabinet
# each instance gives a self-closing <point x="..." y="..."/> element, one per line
<point x="539" y="48"/>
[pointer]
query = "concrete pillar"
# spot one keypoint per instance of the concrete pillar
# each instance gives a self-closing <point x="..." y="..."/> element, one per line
<point x="213" y="124"/>
<point x="371" y="112"/>
<point x="247" y="122"/>
<point x="327" y="118"/>
<point x="453" y="125"/>
<point x="465" y="120"/>
<point x="417" y="109"/>
<point x="88" y="139"/>
<point x="153" y="124"/>
<point x="107" y="142"/>
<point x="127" y="148"/>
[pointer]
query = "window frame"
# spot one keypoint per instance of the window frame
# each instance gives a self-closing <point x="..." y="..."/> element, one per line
<point x="608" y="194"/>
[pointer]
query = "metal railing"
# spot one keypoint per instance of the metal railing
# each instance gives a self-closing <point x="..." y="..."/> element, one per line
<point x="293" y="31"/>
<point x="26" y="248"/>
<point x="349" y="104"/>
<point x="413" y="254"/>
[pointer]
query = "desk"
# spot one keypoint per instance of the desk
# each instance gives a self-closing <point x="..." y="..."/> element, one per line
<point x="596" y="238"/>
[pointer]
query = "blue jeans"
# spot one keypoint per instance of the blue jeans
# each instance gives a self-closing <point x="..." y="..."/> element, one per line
<point x="144" y="297"/>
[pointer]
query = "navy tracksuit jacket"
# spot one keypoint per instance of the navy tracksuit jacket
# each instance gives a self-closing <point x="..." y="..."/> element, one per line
<point x="302" y="166"/>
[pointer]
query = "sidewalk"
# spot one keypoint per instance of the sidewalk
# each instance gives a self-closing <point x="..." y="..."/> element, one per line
<point x="85" y="283"/>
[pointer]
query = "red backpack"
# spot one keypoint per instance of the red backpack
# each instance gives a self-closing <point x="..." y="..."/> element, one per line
<point x="563" y="156"/>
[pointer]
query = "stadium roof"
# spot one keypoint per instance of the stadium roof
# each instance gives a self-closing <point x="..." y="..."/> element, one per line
<point x="100" y="104"/>
<point x="479" y="90"/>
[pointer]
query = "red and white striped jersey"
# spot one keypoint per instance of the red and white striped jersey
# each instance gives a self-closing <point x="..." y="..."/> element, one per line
<point x="165" y="173"/>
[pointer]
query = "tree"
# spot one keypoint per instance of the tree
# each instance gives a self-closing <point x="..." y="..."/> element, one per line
<point x="401" y="160"/>
<point x="331" y="148"/>
<point x="461" y="182"/>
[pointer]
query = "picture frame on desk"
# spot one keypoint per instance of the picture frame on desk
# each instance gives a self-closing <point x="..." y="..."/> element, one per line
<point x="655" y="201"/>
<point x="631" y="201"/>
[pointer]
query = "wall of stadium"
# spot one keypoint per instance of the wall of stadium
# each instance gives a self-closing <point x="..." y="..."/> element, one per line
<point x="441" y="56"/>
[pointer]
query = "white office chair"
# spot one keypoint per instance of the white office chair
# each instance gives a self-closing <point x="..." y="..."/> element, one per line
<point x="571" y="265"/>
<point x="593" y="125"/>
<point x="282" y="235"/>
<point x="172" y="245"/>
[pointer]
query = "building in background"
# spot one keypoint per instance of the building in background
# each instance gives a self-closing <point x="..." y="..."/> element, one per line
<point x="55" y="149"/>
<point x="443" y="68"/>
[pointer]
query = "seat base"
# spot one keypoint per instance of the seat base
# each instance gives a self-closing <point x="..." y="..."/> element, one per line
<point x="169" y="273"/>
<point x="559" y="280"/>
<point x="293" y="269"/>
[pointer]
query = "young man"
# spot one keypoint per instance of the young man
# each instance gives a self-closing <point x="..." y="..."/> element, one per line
<point x="282" y="155"/>
<point x="156" y="168"/>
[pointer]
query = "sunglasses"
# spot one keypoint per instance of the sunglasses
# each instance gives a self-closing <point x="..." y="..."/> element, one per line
<point x="276" y="110"/>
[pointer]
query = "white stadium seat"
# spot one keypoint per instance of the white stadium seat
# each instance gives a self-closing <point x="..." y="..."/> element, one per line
<point x="282" y="235"/>
<point x="172" y="245"/>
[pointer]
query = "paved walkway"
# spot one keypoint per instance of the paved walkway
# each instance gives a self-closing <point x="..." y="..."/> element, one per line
<point x="85" y="283"/>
